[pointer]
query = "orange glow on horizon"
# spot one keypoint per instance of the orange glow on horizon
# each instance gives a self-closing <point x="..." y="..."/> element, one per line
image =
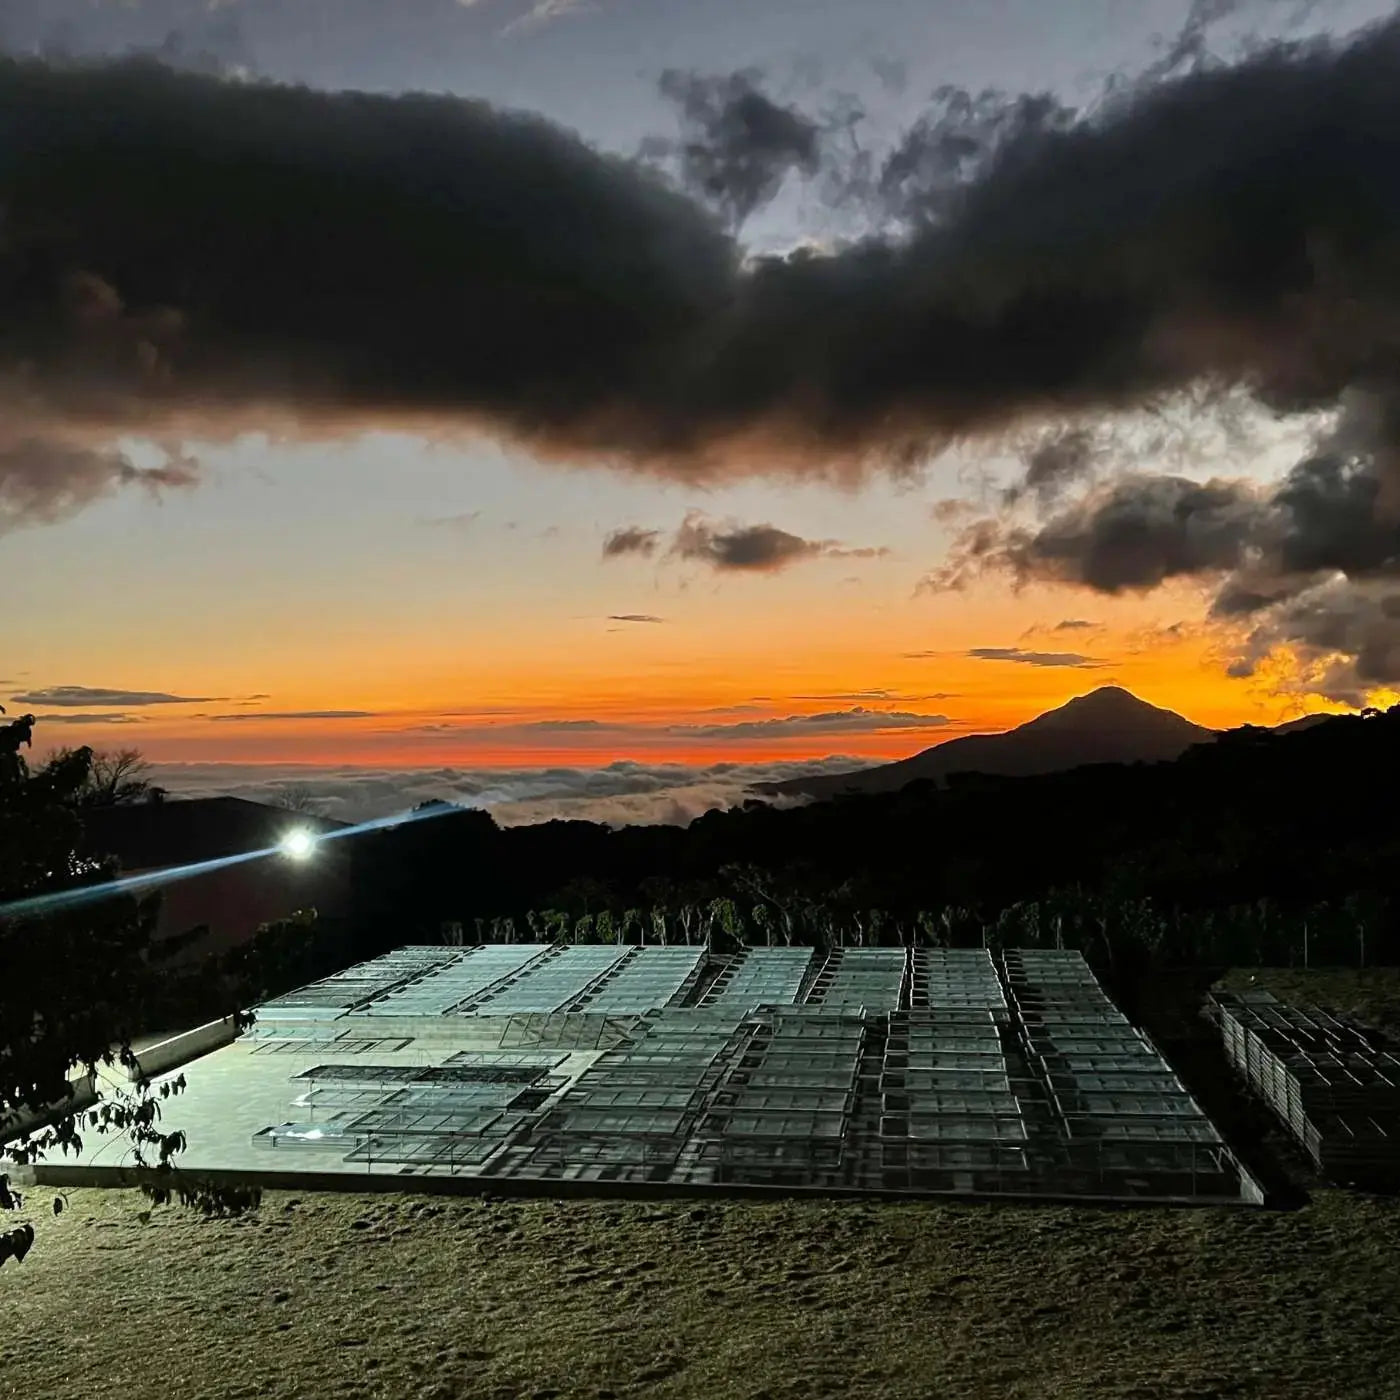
<point x="658" y="696"/>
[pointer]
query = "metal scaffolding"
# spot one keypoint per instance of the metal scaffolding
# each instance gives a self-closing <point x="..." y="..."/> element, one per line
<point x="886" y="1070"/>
<point x="760" y="977"/>
<point x="1124" y="1118"/>
<point x="1335" y="1086"/>
<point x="860" y="980"/>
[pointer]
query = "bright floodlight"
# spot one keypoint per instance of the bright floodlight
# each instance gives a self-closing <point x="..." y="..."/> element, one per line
<point x="298" y="844"/>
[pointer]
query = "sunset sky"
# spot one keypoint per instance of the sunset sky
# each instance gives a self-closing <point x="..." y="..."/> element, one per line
<point x="384" y="600"/>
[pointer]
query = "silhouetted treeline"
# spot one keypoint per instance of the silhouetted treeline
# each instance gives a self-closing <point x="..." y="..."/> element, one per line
<point x="1103" y="927"/>
<point x="1304" y="827"/>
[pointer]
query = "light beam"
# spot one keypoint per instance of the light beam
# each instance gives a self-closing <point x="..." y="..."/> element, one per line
<point x="298" y="844"/>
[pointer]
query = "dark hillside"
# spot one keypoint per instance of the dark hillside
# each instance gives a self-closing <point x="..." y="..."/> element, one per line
<point x="1109" y="725"/>
<point x="1295" y="820"/>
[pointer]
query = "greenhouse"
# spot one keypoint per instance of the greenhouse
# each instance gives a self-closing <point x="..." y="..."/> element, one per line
<point x="888" y="1071"/>
<point x="1332" y="1083"/>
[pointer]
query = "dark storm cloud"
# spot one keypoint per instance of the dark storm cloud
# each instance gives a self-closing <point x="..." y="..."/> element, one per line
<point x="1337" y="519"/>
<point x="1309" y="564"/>
<point x="181" y="251"/>
<point x="1135" y="534"/>
<point x="1190" y="49"/>
<point x="43" y="481"/>
<point x="1346" y="637"/>
<point x="1326" y="516"/>
<point x="182" y="244"/>
<point x="631" y="540"/>
<point x="1034" y="658"/>
<point x="737" y="145"/>
<point x="80" y="695"/>
<point x="956" y="141"/>
<point x="1057" y="461"/>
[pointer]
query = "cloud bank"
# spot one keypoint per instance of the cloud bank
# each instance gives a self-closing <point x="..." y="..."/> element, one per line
<point x="618" y="794"/>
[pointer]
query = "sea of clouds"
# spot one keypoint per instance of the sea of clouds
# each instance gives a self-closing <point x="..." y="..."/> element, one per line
<point x="621" y="793"/>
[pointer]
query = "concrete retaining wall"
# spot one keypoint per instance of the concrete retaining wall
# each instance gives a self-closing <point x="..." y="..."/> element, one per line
<point x="178" y="1050"/>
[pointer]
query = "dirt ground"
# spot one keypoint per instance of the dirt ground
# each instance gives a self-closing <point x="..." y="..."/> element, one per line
<point x="440" y="1298"/>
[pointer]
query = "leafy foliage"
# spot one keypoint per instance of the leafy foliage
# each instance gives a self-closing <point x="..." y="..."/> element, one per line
<point x="82" y="981"/>
<point x="115" y="778"/>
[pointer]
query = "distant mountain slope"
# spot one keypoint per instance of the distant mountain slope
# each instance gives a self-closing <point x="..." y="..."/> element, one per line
<point x="1109" y="725"/>
<point x="1297" y="726"/>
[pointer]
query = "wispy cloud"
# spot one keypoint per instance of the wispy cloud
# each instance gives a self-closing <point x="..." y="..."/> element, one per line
<point x="729" y="547"/>
<point x="294" y="714"/>
<point x="542" y="12"/>
<point x="463" y="521"/>
<point x="78" y="695"/>
<point x="520" y="728"/>
<point x="857" y="720"/>
<point x="634" y="617"/>
<point x="568" y="726"/>
<point x="631" y="539"/>
<point x="96" y="718"/>
<point x="888" y="696"/>
<point x="1035" y="658"/>
<point x="755" y="548"/>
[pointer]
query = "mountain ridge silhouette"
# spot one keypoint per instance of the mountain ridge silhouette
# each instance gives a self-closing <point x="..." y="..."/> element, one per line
<point x="1106" y="725"/>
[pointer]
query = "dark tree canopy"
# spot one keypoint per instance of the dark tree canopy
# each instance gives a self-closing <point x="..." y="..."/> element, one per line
<point x="1303" y="821"/>
<point x="83" y="980"/>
